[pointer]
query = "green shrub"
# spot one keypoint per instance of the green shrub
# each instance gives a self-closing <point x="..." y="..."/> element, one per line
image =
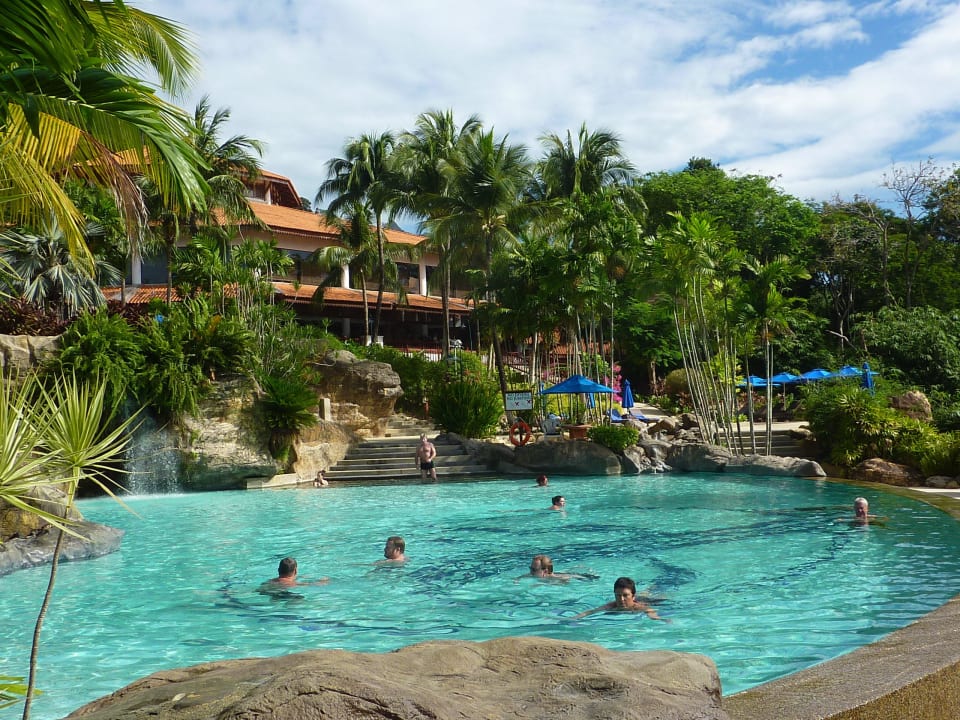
<point x="468" y="407"/>
<point x="169" y="382"/>
<point x="616" y="437"/>
<point x="675" y="385"/>
<point x="850" y="423"/>
<point x="213" y="342"/>
<point x="99" y="347"/>
<point x="286" y="406"/>
<point x="942" y="455"/>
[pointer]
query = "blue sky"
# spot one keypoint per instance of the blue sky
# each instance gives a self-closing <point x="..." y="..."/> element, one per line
<point x="826" y="96"/>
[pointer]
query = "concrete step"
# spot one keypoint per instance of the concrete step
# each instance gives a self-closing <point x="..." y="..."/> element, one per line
<point x="409" y="473"/>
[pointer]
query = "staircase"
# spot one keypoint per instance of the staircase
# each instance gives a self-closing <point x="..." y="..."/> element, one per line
<point x="783" y="444"/>
<point x="391" y="458"/>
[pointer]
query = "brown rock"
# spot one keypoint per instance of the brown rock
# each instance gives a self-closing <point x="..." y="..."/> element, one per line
<point x="884" y="471"/>
<point x="363" y="393"/>
<point x="913" y="403"/>
<point x="509" y="677"/>
<point x="695" y="457"/>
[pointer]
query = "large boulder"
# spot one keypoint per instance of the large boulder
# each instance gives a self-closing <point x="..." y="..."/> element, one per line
<point x="636" y="460"/>
<point x="568" y="457"/>
<point x="362" y="393"/>
<point x="774" y="465"/>
<point x="914" y="404"/>
<point x="89" y="541"/>
<point x="524" y="677"/>
<point x="884" y="471"/>
<point x="18" y="523"/>
<point x="696" y="457"/>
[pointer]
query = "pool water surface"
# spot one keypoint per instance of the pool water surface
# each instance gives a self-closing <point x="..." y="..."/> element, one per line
<point x="757" y="573"/>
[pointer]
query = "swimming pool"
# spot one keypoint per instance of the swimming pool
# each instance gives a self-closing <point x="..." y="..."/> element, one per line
<point x="754" y="572"/>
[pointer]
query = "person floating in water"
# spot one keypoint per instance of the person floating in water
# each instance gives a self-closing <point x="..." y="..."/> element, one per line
<point x="559" y="502"/>
<point x="426" y="455"/>
<point x="541" y="568"/>
<point x="542" y="481"/>
<point x="320" y="480"/>
<point x="286" y="579"/>
<point x="393" y="551"/>
<point x="625" y="600"/>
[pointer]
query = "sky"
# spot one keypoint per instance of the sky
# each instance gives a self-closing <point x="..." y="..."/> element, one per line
<point x="825" y="96"/>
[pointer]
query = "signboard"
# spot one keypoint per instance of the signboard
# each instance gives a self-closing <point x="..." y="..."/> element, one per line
<point x="518" y="400"/>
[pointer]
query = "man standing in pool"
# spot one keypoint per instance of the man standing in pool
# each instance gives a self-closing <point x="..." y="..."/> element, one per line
<point x="286" y="579"/>
<point x="426" y="454"/>
<point x="861" y="513"/>
<point x="393" y="551"/>
<point x="625" y="600"/>
<point x="559" y="502"/>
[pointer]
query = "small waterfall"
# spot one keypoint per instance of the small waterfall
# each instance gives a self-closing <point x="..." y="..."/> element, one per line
<point x="153" y="466"/>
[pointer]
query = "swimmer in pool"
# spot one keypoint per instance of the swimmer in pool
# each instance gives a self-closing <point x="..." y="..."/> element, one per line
<point x="393" y="551"/>
<point x="861" y="513"/>
<point x="286" y="579"/>
<point x="625" y="600"/>
<point x="541" y="568"/>
<point x="559" y="502"/>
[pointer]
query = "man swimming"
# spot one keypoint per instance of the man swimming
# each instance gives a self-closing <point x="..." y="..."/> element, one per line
<point x="286" y="579"/>
<point x="625" y="600"/>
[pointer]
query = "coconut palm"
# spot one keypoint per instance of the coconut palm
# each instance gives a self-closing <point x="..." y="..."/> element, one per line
<point x="596" y="162"/>
<point x="485" y="206"/>
<point x="366" y="173"/>
<point x="425" y="157"/>
<point x="68" y="108"/>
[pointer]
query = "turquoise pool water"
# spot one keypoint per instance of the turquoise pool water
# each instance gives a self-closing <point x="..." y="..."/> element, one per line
<point x="754" y="572"/>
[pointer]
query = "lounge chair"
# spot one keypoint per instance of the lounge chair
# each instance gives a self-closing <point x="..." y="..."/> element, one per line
<point x="615" y="416"/>
<point x="640" y="416"/>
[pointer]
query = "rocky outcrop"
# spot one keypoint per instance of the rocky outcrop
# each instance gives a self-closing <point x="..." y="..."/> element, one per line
<point x="362" y="393"/>
<point x="224" y="445"/>
<point x="884" y="471"/>
<point x="560" y="457"/>
<point x="695" y="457"/>
<point x="91" y="540"/>
<point x="20" y="353"/>
<point x="509" y="677"/>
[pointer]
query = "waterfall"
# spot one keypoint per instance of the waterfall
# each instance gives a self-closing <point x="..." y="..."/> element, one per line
<point x="153" y="460"/>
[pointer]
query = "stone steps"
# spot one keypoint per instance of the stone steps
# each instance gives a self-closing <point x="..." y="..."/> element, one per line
<point x="402" y="425"/>
<point x="782" y="443"/>
<point x="392" y="458"/>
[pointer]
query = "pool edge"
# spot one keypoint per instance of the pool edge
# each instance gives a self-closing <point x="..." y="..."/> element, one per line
<point x="915" y="669"/>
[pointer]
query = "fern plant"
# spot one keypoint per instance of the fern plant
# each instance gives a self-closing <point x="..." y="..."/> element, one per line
<point x="287" y="406"/>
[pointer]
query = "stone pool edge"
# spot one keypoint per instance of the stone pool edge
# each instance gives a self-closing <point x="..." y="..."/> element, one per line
<point x="915" y="669"/>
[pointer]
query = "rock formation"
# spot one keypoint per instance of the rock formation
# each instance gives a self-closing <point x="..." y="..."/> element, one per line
<point x="525" y="677"/>
<point x="884" y="471"/>
<point x="362" y="393"/>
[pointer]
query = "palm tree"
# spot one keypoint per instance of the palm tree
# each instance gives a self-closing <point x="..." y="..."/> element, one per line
<point x="68" y="108"/>
<point x="225" y="165"/>
<point x="485" y="205"/>
<point x="366" y="173"/>
<point x="49" y="276"/>
<point x="596" y="162"/>
<point x="425" y="157"/>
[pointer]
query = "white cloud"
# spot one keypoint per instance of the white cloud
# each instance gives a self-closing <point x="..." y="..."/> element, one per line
<point x="714" y="78"/>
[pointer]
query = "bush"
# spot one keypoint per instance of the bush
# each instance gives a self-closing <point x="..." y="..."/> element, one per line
<point x="287" y="406"/>
<point x="849" y="422"/>
<point x="675" y="385"/>
<point x="21" y="317"/>
<point x="616" y="437"/>
<point x="100" y="347"/>
<point x="468" y="407"/>
<point x="169" y="382"/>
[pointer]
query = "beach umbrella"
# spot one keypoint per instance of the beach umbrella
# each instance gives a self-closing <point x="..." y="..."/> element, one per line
<point x="755" y="381"/>
<point x="784" y="378"/>
<point x="577" y="385"/>
<point x="815" y="374"/>
<point x="848" y="371"/>
<point x="627" y="402"/>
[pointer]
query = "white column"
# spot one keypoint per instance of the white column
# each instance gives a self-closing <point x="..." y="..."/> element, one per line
<point x="345" y="276"/>
<point x="423" y="278"/>
<point x="136" y="267"/>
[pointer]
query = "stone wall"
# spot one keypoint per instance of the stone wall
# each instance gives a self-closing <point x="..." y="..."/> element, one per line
<point x="20" y="353"/>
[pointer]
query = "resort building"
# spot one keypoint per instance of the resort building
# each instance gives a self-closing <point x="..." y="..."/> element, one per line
<point x="410" y="319"/>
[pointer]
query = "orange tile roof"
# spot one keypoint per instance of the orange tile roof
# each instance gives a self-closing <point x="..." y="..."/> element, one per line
<point x="350" y="296"/>
<point x="281" y="218"/>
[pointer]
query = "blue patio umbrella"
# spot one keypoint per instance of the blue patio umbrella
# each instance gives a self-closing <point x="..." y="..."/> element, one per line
<point x="784" y="378"/>
<point x="755" y="381"/>
<point x="848" y="371"/>
<point x="627" y="401"/>
<point x="578" y="385"/>
<point x="815" y="374"/>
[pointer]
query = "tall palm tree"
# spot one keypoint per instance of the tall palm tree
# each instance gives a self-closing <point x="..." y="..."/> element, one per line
<point x="485" y="206"/>
<point x="366" y="172"/>
<point x="596" y="161"/>
<point x="425" y="157"/>
<point x="69" y="108"/>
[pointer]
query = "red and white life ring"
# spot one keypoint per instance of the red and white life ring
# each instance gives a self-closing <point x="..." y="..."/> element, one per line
<point x="520" y="433"/>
